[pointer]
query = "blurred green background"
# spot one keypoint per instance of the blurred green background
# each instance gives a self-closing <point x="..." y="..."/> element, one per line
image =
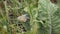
<point x="43" y="16"/>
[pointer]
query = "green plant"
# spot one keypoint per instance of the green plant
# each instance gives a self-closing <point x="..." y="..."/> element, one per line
<point x="44" y="17"/>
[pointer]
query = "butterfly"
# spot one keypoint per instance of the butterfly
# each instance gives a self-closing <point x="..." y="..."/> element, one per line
<point x="23" y="18"/>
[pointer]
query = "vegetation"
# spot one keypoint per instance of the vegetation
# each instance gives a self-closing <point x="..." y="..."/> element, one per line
<point x="29" y="17"/>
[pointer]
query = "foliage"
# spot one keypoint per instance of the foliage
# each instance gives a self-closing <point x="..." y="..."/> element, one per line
<point x="43" y="17"/>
